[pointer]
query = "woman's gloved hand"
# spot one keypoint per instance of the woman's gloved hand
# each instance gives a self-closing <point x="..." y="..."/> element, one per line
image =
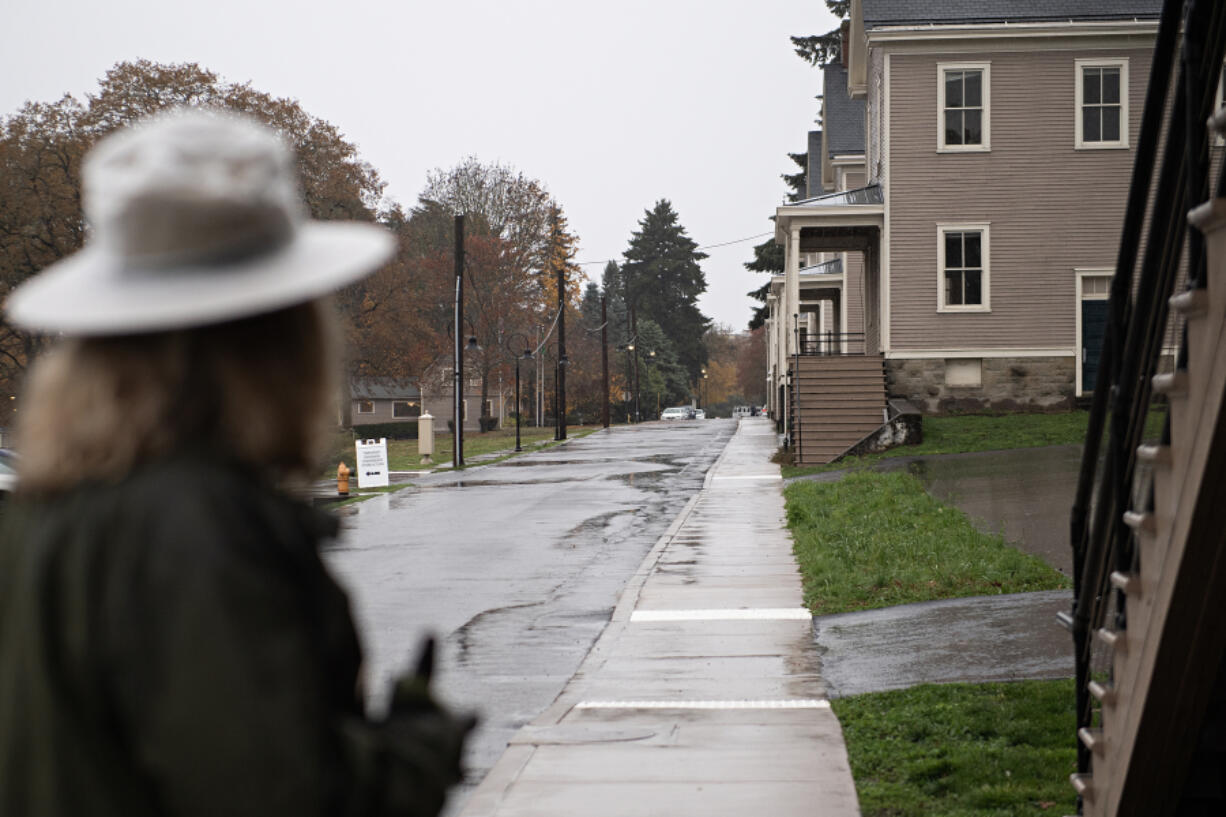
<point x="420" y="729"/>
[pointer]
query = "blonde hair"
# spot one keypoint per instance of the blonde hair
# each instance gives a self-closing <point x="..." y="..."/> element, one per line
<point x="258" y="390"/>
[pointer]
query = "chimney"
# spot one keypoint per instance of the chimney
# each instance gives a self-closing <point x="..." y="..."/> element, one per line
<point x="844" y="40"/>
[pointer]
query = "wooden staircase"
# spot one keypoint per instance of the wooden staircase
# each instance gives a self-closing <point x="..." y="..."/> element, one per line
<point x="836" y="401"/>
<point x="1167" y="649"/>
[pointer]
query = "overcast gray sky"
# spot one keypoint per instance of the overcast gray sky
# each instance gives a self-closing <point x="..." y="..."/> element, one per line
<point x="611" y="105"/>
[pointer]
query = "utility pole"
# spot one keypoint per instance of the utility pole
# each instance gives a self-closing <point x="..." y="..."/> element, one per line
<point x="560" y="433"/>
<point x="634" y="333"/>
<point x="604" y="358"/>
<point x="457" y="456"/>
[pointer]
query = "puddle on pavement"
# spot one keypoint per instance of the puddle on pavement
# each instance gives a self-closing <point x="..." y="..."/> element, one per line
<point x="1024" y="494"/>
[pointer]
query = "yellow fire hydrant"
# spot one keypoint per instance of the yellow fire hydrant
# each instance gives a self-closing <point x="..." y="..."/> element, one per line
<point x="342" y="480"/>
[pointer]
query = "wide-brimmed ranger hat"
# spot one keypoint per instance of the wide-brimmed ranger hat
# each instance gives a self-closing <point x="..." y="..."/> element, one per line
<point x="196" y="218"/>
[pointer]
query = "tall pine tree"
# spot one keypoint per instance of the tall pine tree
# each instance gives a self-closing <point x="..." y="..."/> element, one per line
<point x="662" y="281"/>
<point x="767" y="257"/>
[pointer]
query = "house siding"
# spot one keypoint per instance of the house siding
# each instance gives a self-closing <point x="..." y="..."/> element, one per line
<point x="1051" y="208"/>
<point x="853" y="291"/>
<point x="382" y="413"/>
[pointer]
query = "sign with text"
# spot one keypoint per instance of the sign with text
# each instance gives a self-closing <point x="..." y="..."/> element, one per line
<point x="372" y="463"/>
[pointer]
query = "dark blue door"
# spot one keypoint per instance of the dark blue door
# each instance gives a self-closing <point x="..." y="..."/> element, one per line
<point x="1093" y="327"/>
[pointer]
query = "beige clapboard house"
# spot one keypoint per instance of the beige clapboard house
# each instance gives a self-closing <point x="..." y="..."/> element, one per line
<point x="958" y="256"/>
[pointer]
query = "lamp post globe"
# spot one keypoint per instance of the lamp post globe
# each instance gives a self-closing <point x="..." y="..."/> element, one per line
<point x="515" y="343"/>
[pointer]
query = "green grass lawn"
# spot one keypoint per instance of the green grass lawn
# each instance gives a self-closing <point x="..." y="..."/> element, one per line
<point x="963" y="433"/>
<point x="875" y="540"/>
<point x="957" y="750"/>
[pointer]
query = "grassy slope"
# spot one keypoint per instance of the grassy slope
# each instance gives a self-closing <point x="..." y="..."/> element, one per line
<point x="986" y="432"/>
<point x="875" y="540"/>
<point x="956" y="750"/>
<point x="975" y="432"/>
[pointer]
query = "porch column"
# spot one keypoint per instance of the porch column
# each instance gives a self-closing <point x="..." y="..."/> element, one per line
<point x="772" y="350"/>
<point x="872" y="301"/>
<point x="791" y="260"/>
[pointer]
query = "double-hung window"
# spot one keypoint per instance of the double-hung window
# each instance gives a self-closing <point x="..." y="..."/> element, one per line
<point x="366" y="406"/>
<point x="963" y="107"/>
<point x="962" y="268"/>
<point x="1102" y="103"/>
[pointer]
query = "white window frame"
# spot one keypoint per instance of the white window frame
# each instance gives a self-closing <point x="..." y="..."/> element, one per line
<point x="985" y="257"/>
<point x="360" y="403"/>
<point x="409" y="403"/>
<point x="1079" y="66"/>
<point x="986" y="145"/>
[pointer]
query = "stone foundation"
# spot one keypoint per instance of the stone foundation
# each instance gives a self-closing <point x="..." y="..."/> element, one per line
<point x="1005" y="384"/>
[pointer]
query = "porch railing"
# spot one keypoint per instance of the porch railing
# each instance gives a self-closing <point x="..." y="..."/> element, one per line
<point x="831" y="343"/>
<point x="1183" y="81"/>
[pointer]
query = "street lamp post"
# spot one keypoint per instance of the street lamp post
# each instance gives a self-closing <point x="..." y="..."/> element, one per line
<point x="651" y="357"/>
<point x="525" y="355"/>
<point x="471" y="345"/>
<point x="457" y="426"/>
<point x="628" y="348"/>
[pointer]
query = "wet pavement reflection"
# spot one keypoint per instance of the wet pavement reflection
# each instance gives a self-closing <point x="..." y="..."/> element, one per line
<point x="1024" y="494"/>
<point x="986" y="638"/>
<point x="516" y="565"/>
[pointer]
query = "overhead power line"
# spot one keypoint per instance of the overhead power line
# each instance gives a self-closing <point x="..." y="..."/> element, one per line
<point x="706" y="247"/>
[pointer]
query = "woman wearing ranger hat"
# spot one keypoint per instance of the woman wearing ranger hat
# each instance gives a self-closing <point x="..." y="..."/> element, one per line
<point x="170" y="643"/>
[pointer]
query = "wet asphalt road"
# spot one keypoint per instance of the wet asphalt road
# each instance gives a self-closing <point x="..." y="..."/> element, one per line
<point x="516" y="566"/>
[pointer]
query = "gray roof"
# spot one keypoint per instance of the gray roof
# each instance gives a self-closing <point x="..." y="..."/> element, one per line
<point x="843" y="117"/>
<point x="920" y="12"/>
<point x="813" y="172"/>
<point x="384" y="388"/>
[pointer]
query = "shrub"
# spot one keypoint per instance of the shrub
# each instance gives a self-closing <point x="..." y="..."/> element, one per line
<point x="392" y="431"/>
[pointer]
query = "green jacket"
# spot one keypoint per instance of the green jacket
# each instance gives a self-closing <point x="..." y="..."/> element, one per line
<point x="172" y="645"/>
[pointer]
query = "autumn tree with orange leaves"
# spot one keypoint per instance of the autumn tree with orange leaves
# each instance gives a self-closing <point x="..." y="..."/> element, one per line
<point x="42" y="144"/>
<point x="516" y="236"/>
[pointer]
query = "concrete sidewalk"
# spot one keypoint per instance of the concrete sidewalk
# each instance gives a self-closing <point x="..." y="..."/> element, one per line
<point x="702" y="696"/>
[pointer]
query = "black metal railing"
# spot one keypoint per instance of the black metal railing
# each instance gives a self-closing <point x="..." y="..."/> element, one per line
<point x="831" y="343"/>
<point x="1182" y="94"/>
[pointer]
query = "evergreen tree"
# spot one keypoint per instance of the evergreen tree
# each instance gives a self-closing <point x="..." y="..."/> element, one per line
<point x="796" y="181"/>
<point x="663" y="381"/>
<point x="662" y="281"/>
<point x="823" y="49"/>
<point x="589" y="306"/>
<point x="767" y="257"/>
<point x="613" y="287"/>
<point x="560" y="249"/>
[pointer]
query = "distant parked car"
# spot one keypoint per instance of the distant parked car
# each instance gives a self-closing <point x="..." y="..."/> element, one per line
<point x="700" y="414"/>
<point x="676" y="413"/>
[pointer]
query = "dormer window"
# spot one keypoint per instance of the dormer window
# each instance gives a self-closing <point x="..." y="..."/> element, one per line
<point x="963" y="107"/>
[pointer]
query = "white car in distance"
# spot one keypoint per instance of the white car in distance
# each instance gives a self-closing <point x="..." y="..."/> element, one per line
<point x="675" y="413"/>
